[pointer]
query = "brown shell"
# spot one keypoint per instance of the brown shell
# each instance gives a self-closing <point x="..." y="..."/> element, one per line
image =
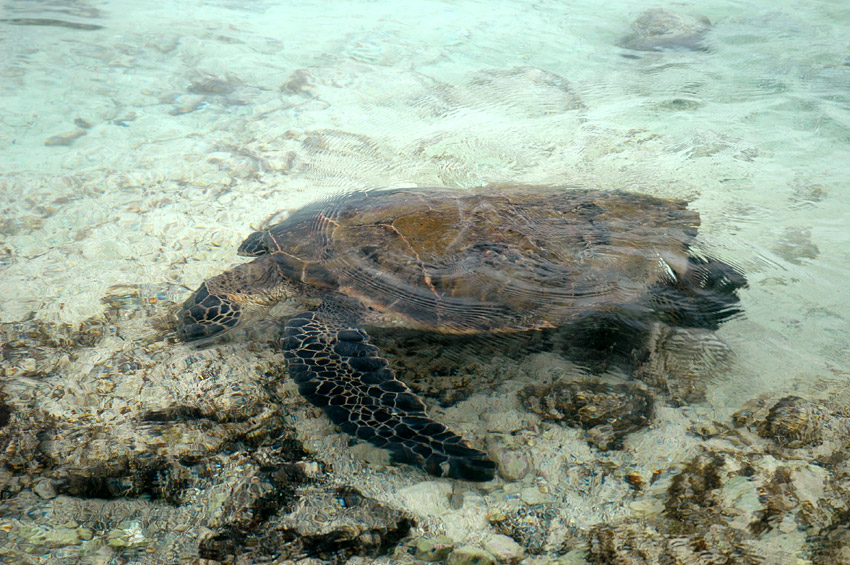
<point x="492" y="259"/>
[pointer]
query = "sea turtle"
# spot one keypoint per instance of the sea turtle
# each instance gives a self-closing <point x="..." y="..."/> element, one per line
<point x="494" y="259"/>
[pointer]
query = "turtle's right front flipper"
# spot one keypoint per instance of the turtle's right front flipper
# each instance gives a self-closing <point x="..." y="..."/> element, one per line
<point x="337" y="369"/>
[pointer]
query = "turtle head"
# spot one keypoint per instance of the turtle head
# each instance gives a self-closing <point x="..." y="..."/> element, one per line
<point x="232" y="298"/>
<point x="255" y="245"/>
<point x="207" y="315"/>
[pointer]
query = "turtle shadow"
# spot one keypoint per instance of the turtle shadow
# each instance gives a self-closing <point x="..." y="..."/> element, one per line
<point x="450" y="368"/>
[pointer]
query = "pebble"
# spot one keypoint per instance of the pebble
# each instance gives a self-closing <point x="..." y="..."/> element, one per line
<point x="468" y="555"/>
<point x="103" y="556"/>
<point x="657" y="29"/>
<point x="434" y="549"/>
<point x="28" y="365"/>
<point x="373" y="456"/>
<point x="513" y="464"/>
<point x="129" y="535"/>
<point x="428" y="497"/>
<point x="44" y="489"/>
<point x="646" y="507"/>
<point x="65" y="140"/>
<point x="504" y="549"/>
<point x="532" y="496"/>
<point x="60" y="537"/>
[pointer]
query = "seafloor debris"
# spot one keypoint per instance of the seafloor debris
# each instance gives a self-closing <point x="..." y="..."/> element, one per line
<point x="730" y="508"/>
<point x="206" y="90"/>
<point x="607" y="412"/>
<point x="154" y="449"/>
<point x="769" y="490"/>
<point x="636" y="541"/>
<point x="793" y="424"/>
<point x="331" y="523"/>
<point x="130" y="468"/>
<point x="531" y="526"/>
<point x="66" y="139"/>
<point x="51" y="22"/>
<point x="658" y="29"/>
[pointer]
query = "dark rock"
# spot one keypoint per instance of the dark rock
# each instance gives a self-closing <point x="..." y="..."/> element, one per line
<point x="332" y="524"/>
<point x="658" y="29"/>
<point x="608" y="412"/>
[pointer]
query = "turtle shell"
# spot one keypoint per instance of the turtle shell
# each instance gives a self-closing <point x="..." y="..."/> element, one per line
<point x="491" y="259"/>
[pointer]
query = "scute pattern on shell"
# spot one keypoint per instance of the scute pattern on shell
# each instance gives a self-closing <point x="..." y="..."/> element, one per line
<point x="491" y="259"/>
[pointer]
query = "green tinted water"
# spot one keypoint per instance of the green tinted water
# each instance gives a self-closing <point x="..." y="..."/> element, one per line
<point x="139" y="144"/>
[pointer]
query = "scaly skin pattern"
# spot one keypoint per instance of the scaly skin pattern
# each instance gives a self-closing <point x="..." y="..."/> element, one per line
<point x="337" y="369"/>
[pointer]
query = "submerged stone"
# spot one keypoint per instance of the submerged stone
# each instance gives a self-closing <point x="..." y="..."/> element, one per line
<point x="468" y="555"/>
<point x="434" y="549"/>
<point x="504" y="549"/>
<point x="658" y="29"/>
<point x="608" y="412"/>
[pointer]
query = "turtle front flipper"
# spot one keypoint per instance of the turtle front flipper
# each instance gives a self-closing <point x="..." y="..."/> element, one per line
<point x="338" y="370"/>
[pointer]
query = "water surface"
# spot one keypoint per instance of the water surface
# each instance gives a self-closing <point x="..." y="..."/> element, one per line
<point x="139" y="144"/>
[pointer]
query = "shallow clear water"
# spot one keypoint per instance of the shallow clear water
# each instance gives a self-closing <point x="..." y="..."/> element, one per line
<point x="139" y="144"/>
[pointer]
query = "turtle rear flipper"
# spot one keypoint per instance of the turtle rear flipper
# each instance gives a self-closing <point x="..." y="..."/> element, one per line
<point x="705" y="296"/>
<point x="338" y="370"/>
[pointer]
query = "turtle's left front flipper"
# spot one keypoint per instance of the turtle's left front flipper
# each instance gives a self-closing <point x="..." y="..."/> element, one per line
<point x="337" y="369"/>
